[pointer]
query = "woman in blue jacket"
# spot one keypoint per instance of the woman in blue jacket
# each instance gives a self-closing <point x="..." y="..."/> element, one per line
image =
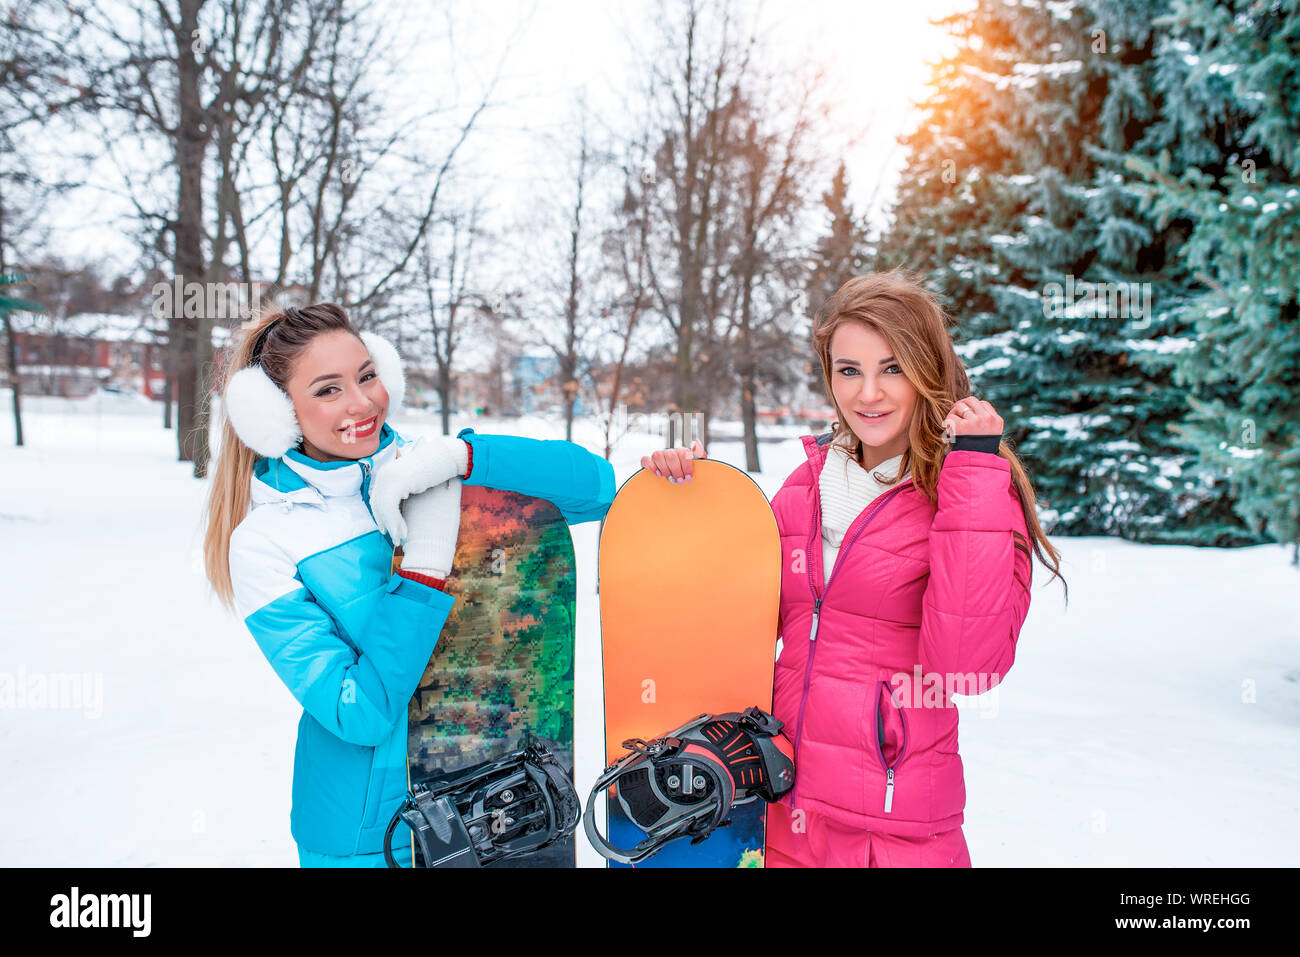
<point x="312" y="490"/>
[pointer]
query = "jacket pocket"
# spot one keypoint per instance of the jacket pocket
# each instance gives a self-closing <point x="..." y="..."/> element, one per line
<point x="890" y="735"/>
<point x="377" y="778"/>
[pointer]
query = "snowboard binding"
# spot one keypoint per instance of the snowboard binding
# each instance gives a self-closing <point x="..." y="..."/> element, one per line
<point x="491" y="812"/>
<point x="685" y="783"/>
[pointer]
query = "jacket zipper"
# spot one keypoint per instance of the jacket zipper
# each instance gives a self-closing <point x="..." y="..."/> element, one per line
<point x="880" y="737"/>
<point x="366" y="467"/>
<point x="818" y="599"/>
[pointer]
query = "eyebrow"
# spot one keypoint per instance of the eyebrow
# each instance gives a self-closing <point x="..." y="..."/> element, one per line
<point x="854" y="362"/>
<point x="335" y="375"/>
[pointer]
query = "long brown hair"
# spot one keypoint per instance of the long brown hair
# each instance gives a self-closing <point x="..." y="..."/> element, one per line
<point x="913" y="323"/>
<point x="228" y="500"/>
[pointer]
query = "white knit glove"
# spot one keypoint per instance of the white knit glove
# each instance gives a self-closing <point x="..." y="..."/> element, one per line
<point x="419" y="466"/>
<point x="433" y="521"/>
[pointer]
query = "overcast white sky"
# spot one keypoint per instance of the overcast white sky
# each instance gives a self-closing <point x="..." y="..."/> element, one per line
<point x="874" y="52"/>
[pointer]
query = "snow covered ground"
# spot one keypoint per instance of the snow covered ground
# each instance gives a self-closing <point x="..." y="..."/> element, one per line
<point x="1157" y="723"/>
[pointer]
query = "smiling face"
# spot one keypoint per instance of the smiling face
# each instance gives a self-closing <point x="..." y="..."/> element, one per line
<point x="865" y="378"/>
<point x="339" y="400"/>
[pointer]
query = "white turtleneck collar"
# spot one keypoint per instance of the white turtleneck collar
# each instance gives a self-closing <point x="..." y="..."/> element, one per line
<point x="847" y="488"/>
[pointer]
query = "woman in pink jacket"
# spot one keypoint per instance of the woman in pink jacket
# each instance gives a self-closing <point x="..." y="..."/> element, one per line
<point x="906" y="538"/>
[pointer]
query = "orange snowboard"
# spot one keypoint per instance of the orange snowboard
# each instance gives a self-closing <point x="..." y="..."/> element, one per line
<point x="690" y="580"/>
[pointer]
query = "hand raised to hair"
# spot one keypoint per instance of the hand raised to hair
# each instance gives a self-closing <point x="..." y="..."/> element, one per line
<point x="972" y="416"/>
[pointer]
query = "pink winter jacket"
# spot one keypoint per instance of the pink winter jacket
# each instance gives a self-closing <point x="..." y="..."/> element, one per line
<point x="945" y="589"/>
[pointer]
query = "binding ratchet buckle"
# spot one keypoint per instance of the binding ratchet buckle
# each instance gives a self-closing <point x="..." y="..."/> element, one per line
<point x="492" y="812"/>
<point x="685" y="783"/>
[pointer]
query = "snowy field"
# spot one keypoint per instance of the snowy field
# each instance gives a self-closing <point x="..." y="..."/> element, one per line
<point x="1157" y="723"/>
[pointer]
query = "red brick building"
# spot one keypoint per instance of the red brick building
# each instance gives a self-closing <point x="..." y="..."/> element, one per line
<point x="74" y="357"/>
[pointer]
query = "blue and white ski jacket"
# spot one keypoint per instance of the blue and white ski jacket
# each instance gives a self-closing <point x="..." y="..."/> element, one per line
<point x="312" y="581"/>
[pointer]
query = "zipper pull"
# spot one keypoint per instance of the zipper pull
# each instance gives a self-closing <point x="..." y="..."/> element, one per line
<point x="812" y="635"/>
<point x="889" y="792"/>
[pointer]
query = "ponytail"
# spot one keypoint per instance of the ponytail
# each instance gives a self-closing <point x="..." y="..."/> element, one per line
<point x="232" y="476"/>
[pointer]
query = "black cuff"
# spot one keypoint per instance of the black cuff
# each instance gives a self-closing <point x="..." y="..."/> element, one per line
<point x="977" y="443"/>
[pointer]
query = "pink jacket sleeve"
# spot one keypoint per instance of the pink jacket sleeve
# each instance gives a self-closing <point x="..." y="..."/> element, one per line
<point x="980" y="572"/>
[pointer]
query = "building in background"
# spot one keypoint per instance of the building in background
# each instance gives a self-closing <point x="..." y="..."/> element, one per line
<point x="76" y="356"/>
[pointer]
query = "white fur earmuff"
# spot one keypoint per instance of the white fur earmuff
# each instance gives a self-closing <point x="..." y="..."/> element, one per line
<point x="389" y="366"/>
<point x="262" y="415"/>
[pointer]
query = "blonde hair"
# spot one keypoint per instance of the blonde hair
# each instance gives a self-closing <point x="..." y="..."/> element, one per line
<point x="229" y="497"/>
<point x="913" y="323"/>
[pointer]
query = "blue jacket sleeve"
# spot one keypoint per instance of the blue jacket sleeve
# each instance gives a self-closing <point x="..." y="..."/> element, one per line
<point x="579" y="483"/>
<point x="355" y="690"/>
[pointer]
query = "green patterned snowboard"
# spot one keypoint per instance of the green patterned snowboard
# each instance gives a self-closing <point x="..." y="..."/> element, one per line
<point x="503" y="668"/>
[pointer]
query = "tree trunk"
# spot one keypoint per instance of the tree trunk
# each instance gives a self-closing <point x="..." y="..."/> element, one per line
<point x="203" y="398"/>
<point x="191" y="145"/>
<point x="11" y="347"/>
<point x="15" y="381"/>
<point x="748" y="412"/>
<point x="444" y="396"/>
<point x="570" y="396"/>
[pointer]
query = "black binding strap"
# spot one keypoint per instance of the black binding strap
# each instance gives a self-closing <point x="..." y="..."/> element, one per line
<point x="494" y="811"/>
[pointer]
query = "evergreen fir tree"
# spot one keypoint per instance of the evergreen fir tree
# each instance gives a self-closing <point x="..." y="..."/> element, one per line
<point x="1011" y="209"/>
<point x="1175" y="495"/>
<point x="836" y="258"/>
<point x="842" y="253"/>
<point x="1243" y="370"/>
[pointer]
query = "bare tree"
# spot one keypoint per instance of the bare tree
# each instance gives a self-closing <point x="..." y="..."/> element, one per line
<point x="567" y="352"/>
<point x="725" y="197"/>
<point x="189" y="73"/>
<point x="562" y="258"/>
<point x="452" y="298"/>
<point x="286" y="91"/>
<point x="327" y="136"/>
<point x="693" y="81"/>
<point x="773" y="168"/>
<point x="625" y="247"/>
<point x="39" y="86"/>
<point x="357" y="189"/>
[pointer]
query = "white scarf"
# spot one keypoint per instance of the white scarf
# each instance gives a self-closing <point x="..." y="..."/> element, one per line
<point x="846" y="490"/>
